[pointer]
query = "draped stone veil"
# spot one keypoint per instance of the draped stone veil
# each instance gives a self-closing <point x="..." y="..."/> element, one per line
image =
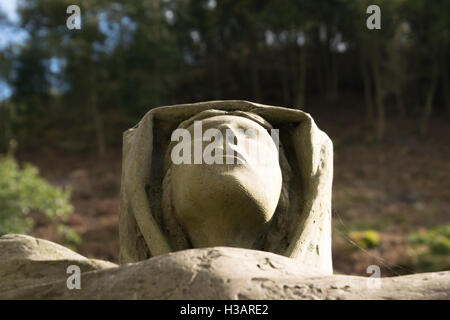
<point x="301" y="228"/>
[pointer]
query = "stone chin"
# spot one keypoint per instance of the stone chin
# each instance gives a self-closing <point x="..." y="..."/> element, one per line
<point x="224" y="207"/>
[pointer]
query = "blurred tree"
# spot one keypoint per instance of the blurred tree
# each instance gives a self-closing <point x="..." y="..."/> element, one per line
<point x="31" y="87"/>
<point x="292" y="33"/>
<point x="381" y="68"/>
<point x="5" y="105"/>
<point x="430" y="37"/>
<point x="73" y="86"/>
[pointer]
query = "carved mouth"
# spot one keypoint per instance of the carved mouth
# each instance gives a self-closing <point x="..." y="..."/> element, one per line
<point x="238" y="158"/>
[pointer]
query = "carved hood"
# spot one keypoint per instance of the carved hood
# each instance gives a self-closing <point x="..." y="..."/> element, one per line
<point x="305" y="232"/>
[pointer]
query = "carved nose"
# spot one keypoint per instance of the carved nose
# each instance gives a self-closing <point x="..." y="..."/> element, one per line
<point x="231" y="142"/>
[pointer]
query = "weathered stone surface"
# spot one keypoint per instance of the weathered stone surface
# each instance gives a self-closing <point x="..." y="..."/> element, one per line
<point x="220" y="204"/>
<point x="27" y="261"/>
<point x="301" y="226"/>
<point x="230" y="273"/>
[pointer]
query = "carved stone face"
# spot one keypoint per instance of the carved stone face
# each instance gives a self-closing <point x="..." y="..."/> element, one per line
<point x="229" y="204"/>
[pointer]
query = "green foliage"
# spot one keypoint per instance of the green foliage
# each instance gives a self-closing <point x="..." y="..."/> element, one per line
<point x="366" y="239"/>
<point x="23" y="191"/>
<point x="70" y="236"/>
<point x="430" y="249"/>
<point x="437" y="240"/>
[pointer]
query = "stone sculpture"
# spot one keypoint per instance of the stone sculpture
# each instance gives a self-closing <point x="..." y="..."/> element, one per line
<point x="284" y="207"/>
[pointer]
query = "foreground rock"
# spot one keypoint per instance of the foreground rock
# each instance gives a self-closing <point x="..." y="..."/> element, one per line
<point x="26" y="261"/>
<point x="208" y="273"/>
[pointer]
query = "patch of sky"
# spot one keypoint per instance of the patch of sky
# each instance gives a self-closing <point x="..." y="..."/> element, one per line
<point x="116" y="26"/>
<point x="10" y="33"/>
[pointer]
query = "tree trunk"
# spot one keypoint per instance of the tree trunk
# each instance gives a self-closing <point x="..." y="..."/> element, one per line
<point x="300" y="101"/>
<point x="428" y="103"/>
<point x="445" y="86"/>
<point x="399" y="100"/>
<point x="331" y="78"/>
<point x="95" y="112"/>
<point x="285" y="85"/>
<point x="98" y="124"/>
<point x="4" y="124"/>
<point x="255" y="81"/>
<point x="319" y="74"/>
<point x="334" y="89"/>
<point x="368" y="95"/>
<point x="379" y="97"/>
<point x="216" y="79"/>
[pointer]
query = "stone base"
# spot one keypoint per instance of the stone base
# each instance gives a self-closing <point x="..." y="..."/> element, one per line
<point x="36" y="269"/>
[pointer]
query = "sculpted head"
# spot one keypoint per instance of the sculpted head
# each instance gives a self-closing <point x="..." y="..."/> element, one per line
<point x="228" y="180"/>
<point x="227" y="189"/>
